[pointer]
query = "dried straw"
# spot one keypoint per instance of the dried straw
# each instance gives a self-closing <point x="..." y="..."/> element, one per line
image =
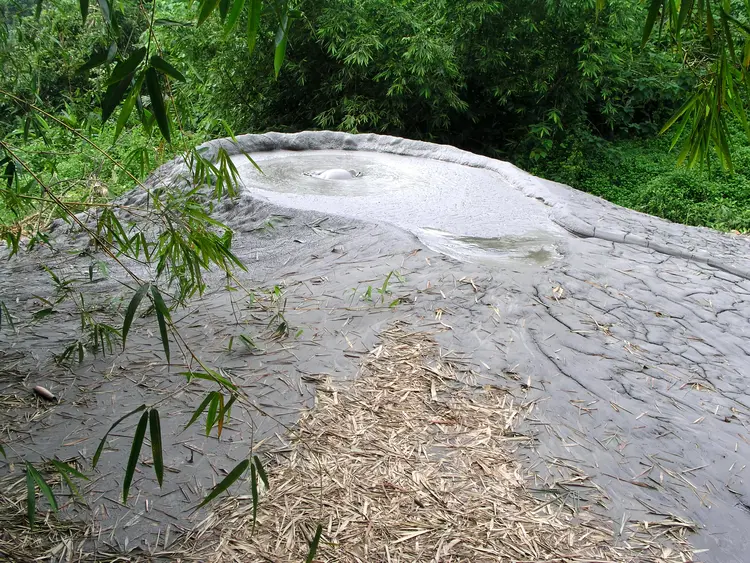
<point x="52" y="539"/>
<point x="409" y="464"/>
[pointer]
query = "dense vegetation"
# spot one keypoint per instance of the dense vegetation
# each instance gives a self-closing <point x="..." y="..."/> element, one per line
<point x="563" y="88"/>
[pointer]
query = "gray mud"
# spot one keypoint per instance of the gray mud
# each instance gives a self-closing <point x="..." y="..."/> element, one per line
<point x="632" y="334"/>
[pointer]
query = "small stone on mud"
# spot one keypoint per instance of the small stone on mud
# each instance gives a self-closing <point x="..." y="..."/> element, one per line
<point x="44" y="393"/>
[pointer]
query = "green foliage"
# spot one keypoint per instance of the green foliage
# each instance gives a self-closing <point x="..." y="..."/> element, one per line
<point x="642" y="175"/>
<point x="714" y="38"/>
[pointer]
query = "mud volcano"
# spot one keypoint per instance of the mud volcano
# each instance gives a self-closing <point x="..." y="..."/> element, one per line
<point x="629" y="335"/>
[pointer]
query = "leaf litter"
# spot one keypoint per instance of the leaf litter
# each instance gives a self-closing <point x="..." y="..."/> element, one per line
<point x="412" y="462"/>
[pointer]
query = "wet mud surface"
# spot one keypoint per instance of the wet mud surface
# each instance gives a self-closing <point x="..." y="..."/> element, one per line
<point x="633" y="344"/>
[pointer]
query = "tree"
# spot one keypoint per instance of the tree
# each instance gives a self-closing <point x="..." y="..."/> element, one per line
<point x="713" y="38"/>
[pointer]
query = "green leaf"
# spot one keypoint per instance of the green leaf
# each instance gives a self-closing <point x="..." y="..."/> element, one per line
<point x="130" y="312"/>
<point x="127" y="109"/>
<point x="113" y="96"/>
<point x="30" y="497"/>
<point x="220" y="416"/>
<point x="253" y="24"/>
<point x="254" y="492"/>
<point x="314" y="544"/>
<point x="84" y="5"/>
<point x="234" y="15"/>
<point x="653" y="11"/>
<point x="126" y="67"/>
<point x="728" y="36"/>
<point x="162" y="65"/>
<point x="156" y="445"/>
<point x="162" y="315"/>
<point x="135" y="452"/>
<point x="157" y="103"/>
<point x="68" y="469"/>
<point x="104" y="439"/>
<point x="685" y="108"/>
<point x="65" y="472"/>
<point x="201" y="408"/>
<point x="106" y="13"/>
<point x="205" y="9"/>
<point x="280" y="43"/>
<point x="96" y="59"/>
<point x="212" y="408"/>
<point x="686" y="7"/>
<point x="223" y="9"/>
<point x="210" y="376"/>
<point x="42" y="313"/>
<point x="743" y="26"/>
<point x="43" y="486"/>
<point x="38" y="9"/>
<point x="228" y="481"/>
<point x="10" y="173"/>
<point x="225" y="411"/>
<point x="261" y="471"/>
<point x="111" y="52"/>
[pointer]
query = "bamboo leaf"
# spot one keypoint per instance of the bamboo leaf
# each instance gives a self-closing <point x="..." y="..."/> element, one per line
<point x="228" y="481"/>
<point x="113" y="96"/>
<point x="84" y="5"/>
<point x="653" y="11"/>
<point x="261" y="471"/>
<point x="314" y="544"/>
<point x="211" y="376"/>
<point x="135" y="452"/>
<point x="130" y="312"/>
<point x="162" y="315"/>
<point x="728" y="35"/>
<point x="127" y="109"/>
<point x="69" y="482"/>
<point x="743" y="26"/>
<point x="223" y="9"/>
<point x="220" y="416"/>
<point x="234" y="15"/>
<point x="280" y="43"/>
<point x="104" y="439"/>
<point x="162" y="65"/>
<point x="680" y="112"/>
<point x="206" y="8"/>
<point x="253" y="24"/>
<point x="43" y="486"/>
<point x="10" y="173"/>
<point x="254" y="492"/>
<point x="106" y="12"/>
<point x="111" y="52"/>
<point x="201" y="408"/>
<point x="157" y="103"/>
<point x="96" y="59"/>
<point x="30" y="497"/>
<point x="68" y="469"/>
<point x="156" y="445"/>
<point x="65" y="471"/>
<point x="686" y="7"/>
<point x="126" y="67"/>
<point x="212" y="408"/>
